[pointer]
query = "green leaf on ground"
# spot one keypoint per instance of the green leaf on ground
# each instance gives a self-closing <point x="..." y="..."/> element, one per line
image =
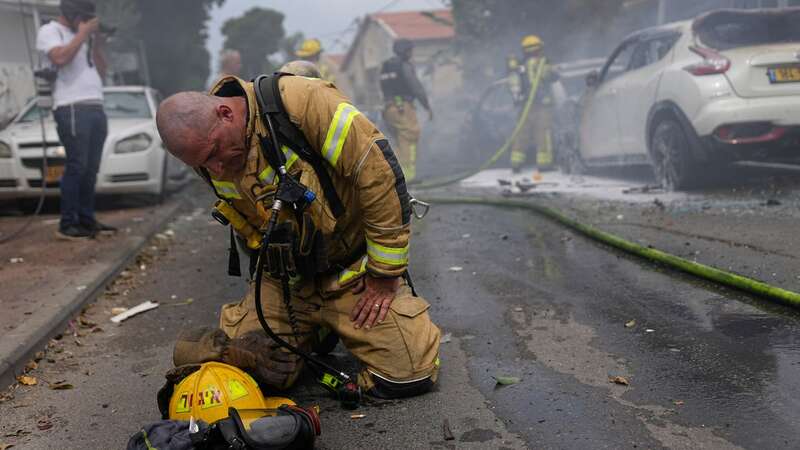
<point x="506" y="381"/>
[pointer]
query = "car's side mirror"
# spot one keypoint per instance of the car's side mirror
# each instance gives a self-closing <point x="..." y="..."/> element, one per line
<point x="593" y="79"/>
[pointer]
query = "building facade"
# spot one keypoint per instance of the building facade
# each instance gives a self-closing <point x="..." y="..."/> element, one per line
<point x="19" y="23"/>
<point x="432" y="32"/>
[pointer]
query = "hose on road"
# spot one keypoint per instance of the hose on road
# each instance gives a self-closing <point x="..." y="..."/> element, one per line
<point x="718" y="276"/>
<point x="521" y="123"/>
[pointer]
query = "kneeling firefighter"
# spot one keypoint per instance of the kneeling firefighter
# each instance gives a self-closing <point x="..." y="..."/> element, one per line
<point x="532" y="77"/>
<point x="315" y="189"/>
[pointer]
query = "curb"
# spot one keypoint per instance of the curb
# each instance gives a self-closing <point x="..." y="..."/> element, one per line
<point x="37" y="338"/>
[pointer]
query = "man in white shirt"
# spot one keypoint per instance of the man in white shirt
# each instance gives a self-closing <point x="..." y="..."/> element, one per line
<point x="73" y="45"/>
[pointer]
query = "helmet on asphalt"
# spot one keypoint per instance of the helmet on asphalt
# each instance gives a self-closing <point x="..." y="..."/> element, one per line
<point x="207" y="393"/>
<point x="309" y="47"/>
<point x="531" y="42"/>
<point x="301" y="68"/>
<point x="401" y="47"/>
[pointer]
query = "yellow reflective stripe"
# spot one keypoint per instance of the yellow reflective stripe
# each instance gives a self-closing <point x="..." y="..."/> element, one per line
<point x="268" y="174"/>
<point x="387" y="255"/>
<point x="226" y="189"/>
<point x="338" y="131"/>
<point x="347" y="274"/>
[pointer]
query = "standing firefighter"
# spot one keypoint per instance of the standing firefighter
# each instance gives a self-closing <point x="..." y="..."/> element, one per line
<point x="401" y="87"/>
<point x="336" y="257"/>
<point x="311" y="50"/>
<point x="525" y="79"/>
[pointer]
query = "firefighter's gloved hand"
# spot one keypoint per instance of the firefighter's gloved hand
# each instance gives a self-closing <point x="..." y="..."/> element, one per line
<point x="263" y="359"/>
<point x="253" y="352"/>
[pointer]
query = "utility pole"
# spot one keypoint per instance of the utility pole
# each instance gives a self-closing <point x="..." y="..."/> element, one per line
<point x="661" y="18"/>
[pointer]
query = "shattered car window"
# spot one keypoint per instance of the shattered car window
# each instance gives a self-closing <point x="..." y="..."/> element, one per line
<point x="726" y="30"/>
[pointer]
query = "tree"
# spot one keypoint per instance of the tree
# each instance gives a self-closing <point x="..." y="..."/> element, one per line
<point x="174" y="34"/>
<point x="257" y="34"/>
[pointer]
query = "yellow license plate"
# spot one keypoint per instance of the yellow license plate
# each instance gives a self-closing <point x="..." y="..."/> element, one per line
<point x="784" y="75"/>
<point x="53" y="174"/>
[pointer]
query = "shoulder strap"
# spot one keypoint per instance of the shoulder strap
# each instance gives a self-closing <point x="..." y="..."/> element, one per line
<point x="271" y="105"/>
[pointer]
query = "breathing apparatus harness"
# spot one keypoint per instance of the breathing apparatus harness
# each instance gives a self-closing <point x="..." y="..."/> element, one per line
<point x="292" y="194"/>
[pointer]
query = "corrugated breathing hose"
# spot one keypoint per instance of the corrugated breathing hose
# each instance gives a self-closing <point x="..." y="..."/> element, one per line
<point x="721" y="277"/>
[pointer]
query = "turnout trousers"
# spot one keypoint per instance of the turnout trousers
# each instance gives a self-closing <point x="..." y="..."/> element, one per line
<point x="403" y="130"/>
<point x="534" y="140"/>
<point x="403" y="349"/>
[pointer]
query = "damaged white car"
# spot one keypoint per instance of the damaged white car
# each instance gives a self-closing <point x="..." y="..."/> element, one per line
<point x="689" y="97"/>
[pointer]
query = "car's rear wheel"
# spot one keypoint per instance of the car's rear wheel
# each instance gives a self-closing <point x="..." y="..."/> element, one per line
<point x="673" y="164"/>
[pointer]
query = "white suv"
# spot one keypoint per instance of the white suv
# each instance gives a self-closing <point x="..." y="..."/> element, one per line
<point x="688" y="96"/>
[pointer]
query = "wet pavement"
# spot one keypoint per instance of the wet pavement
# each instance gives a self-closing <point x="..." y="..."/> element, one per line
<point x="706" y="367"/>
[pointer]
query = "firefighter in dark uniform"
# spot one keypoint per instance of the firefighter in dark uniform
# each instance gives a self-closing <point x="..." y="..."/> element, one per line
<point x="401" y="87"/>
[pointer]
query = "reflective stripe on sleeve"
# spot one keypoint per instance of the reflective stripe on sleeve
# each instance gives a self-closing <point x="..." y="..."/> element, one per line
<point x="337" y="132"/>
<point x="347" y="274"/>
<point x="387" y="255"/>
<point x="268" y="174"/>
<point x="226" y="189"/>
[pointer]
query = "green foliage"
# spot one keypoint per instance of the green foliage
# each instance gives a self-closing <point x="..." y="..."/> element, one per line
<point x="257" y="34"/>
<point x="174" y="35"/>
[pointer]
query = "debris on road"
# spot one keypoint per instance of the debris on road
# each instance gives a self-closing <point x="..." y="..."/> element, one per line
<point x="630" y="324"/>
<point x="647" y="189"/>
<point x="622" y="381"/>
<point x="446" y="432"/>
<point x="60" y="386"/>
<point x="5" y="446"/>
<point x="456" y="269"/>
<point x="678" y="402"/>
<point x="188" y="301"/>
<point x="649" y="330"/>
<point x="44" y="424"/>
<point x="447" y="337"/>
<point x="16" y="260"/>
<point x="138" y="309"/>
<point x="357" y="416"/>
<point x="118" y="310"/>
<point x="27" y="380"/>
<point x="506" y="380"/>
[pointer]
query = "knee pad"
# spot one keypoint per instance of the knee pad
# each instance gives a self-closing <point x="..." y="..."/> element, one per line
<point x="385" y="389"/>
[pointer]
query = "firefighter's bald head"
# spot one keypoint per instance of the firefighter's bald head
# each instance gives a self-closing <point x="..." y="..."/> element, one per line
<point x="205" y="131"/>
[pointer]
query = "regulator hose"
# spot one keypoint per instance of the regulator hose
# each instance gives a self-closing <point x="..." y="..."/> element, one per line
<point x="705" y="272"/>
<point x="521" y="122"/>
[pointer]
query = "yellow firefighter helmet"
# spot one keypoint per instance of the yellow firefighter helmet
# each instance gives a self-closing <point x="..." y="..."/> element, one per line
<point x="310" y="47"/>
<point x="207" y="394"/>
<point x="531" y="42"/>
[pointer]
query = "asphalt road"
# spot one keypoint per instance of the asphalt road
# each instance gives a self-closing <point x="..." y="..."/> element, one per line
<point x="707" y="368"/>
